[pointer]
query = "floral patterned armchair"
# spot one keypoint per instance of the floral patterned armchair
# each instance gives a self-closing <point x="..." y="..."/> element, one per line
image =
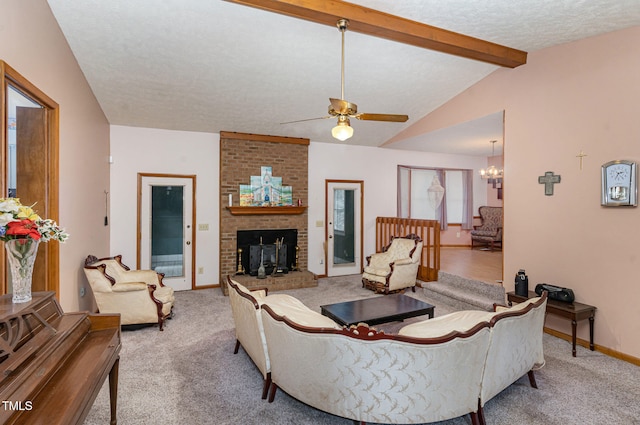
<point x="489" y="233"/>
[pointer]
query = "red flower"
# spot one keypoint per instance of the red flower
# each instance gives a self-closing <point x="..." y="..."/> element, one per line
<point x="26" y="228"/>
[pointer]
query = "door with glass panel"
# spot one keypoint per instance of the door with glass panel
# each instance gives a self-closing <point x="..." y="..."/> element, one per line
<point x="343" y="227"/>
<point x="166" y="237"/>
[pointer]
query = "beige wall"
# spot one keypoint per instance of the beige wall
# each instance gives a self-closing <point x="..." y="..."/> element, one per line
<point x="33" y="45"/>
<point x="584" y="96"/>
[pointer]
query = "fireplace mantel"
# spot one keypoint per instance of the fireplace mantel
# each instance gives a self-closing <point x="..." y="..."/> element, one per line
<point x="265" y="210"/>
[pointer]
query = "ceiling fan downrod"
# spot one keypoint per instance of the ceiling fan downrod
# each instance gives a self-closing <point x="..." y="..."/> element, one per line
<point x="342" y="25"/>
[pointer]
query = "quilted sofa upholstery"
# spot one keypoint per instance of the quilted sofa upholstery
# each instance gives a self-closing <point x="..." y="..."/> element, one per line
<point x="396" y="267"/>
<point x="138" y="295"/>
<point x="515" y="348"/>
<point x="245" y="308"/>
<point x="366" y="376"/>
<point x="431" y="371"/>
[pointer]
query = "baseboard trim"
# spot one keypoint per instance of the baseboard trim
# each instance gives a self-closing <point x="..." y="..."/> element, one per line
<point x="604" y="350"/>
<point x="206" y="286"/>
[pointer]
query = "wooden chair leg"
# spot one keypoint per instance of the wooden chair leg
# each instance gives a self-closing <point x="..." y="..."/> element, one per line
<point x="532" y="379"/>
<point x="265" y="387"/>
<point x="474" y="418"/>
<point x="481" y="414"/>
<point x="272" y="391"/>
<point x="235" y="351"/>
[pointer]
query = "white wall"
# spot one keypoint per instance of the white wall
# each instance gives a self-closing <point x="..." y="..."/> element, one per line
<point x="142" y="150"/>
<point x="377" y="167"/>
<point x="146" y="150"/>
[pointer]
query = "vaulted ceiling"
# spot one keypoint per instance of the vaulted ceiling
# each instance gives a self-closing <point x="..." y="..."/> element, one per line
<point x="212" y="65"/>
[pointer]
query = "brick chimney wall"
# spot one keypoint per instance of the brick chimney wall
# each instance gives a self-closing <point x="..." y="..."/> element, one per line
<point x="241" y="156"/>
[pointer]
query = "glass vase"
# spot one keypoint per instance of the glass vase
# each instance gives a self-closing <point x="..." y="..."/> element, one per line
<point x="21" y="254"/>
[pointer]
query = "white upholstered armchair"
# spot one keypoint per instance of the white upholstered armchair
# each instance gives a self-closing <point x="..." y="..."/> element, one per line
<point x="138" y="295"/>
<point x="395" y="268"/>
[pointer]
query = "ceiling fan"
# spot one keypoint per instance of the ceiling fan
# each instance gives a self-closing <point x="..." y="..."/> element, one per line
<point x="344" y="110"/>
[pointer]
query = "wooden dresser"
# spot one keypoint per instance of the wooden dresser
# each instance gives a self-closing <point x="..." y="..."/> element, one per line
<point x="53" y="364"/>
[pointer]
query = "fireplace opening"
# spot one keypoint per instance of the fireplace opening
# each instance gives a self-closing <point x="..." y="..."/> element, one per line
<point x="274" y="248"/>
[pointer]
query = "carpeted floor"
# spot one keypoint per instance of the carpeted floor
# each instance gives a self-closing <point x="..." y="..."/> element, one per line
<point x="188" y="375"/>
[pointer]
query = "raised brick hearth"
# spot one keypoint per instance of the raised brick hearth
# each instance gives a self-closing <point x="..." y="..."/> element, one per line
<point x="241" y="156"/>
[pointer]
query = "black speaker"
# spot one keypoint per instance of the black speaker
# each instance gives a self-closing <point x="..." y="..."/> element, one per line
<point x="522" y="284"/>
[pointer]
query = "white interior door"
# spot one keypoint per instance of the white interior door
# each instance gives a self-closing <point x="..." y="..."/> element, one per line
<point x="344" y="227"/>
<point x="166" y="229"/>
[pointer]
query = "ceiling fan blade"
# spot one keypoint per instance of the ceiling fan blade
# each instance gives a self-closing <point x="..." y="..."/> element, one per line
<point x="382" y="117"/>
<point x="308" y="119"/>
<point x="342" y="107"/>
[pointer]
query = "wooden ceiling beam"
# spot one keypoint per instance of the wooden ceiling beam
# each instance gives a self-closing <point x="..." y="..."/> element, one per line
<point x="391" y="27"/>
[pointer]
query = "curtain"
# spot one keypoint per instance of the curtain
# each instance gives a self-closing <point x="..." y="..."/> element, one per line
<point x="441" y="212"/>
<point x="467" y="205"/>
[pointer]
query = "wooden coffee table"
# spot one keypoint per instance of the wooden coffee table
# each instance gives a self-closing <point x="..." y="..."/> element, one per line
<point x="373" y="311"/>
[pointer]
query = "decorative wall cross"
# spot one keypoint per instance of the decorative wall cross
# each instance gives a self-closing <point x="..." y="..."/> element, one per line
<point x="581" y="155"/>
<point x="549" y="179"/>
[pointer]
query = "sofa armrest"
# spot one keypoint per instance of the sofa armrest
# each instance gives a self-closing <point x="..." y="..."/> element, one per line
<point x="292" y="308"/>
<point x="403" y="261"/>
<point x="499" y="307"/>
<point x="129" y="286"/>
<point x="381" y="260"/>
<point x="460" y="321"/>
<point x="149" y="277"/>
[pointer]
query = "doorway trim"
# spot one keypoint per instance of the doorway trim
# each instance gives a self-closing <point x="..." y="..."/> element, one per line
<point x="327" y="182"/>
<point x="193" y="218"/>
<point x="51" y="251"/>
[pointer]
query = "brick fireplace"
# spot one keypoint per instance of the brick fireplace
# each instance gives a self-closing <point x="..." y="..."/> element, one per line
<point x="241" y="156"/>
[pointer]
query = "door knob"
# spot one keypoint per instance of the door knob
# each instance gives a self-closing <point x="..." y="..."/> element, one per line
<point x="188" y="242"/>
<point x="330" y="236"/>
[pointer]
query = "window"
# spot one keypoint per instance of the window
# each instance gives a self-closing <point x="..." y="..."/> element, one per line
<point x="338" y="211"/>
<point x="414" y="202"/>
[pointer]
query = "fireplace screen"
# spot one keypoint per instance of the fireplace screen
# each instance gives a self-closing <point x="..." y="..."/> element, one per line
<point x="274" y="249"/>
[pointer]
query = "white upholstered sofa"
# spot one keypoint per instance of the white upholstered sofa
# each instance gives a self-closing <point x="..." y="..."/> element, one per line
<point x="515" y="348"/>
<point x="433" y="370"/>
<point x="245" y="308"/>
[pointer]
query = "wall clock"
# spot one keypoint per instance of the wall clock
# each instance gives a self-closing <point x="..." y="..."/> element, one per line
<point x="619" y="184"/>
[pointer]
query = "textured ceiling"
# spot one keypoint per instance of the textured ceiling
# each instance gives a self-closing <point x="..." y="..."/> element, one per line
<point x="210" y="65"/>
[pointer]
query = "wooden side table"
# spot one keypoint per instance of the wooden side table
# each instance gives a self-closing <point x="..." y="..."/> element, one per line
<point x="574" y="311"/>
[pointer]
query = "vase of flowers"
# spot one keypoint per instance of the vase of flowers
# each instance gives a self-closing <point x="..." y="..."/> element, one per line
<point x="22" y="230"/>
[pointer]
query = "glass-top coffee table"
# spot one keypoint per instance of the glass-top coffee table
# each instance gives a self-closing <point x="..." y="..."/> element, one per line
<point x="373" y="311"/>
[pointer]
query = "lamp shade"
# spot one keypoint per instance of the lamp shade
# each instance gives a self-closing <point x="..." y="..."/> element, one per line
<point x="342" y="131"/>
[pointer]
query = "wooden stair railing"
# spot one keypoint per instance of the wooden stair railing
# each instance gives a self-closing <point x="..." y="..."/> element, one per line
<point x="427" y="230"/>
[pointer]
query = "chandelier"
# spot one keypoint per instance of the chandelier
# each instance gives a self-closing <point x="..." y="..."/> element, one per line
<point x="492" y="174"/>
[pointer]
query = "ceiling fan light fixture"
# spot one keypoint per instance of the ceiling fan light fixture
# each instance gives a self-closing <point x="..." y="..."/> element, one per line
<point x="343" y="130"/>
